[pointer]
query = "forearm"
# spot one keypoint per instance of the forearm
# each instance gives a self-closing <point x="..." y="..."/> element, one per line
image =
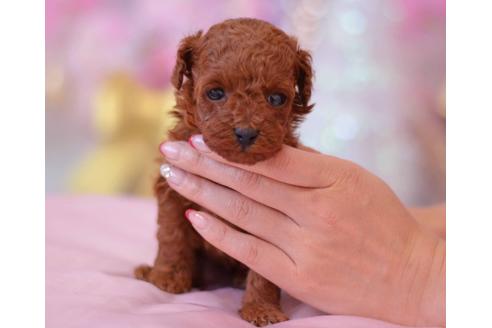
<point x="432" y="219"/>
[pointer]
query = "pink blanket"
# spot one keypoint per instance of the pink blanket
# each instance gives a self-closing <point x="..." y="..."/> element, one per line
<point x="92" y="245"/>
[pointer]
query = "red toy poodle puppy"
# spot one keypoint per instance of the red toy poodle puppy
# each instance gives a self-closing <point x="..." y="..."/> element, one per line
<point x="245" y="85"/>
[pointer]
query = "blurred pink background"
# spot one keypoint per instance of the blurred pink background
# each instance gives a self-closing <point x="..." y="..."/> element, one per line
<point x="379" y="88"/>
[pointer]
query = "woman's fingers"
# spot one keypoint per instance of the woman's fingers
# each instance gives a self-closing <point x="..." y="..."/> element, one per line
<point x="290" y="165"/>
<point x="260" y="256"/>
<point x="241" y="211"/>
<point x="267" y="191"/>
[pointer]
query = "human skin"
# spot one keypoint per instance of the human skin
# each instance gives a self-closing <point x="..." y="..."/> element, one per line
<point x="324" y="229"/>
<point x="433" y="218"/>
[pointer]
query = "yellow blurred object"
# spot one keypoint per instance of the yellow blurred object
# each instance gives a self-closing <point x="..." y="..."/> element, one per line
<point x="132" y="121"/>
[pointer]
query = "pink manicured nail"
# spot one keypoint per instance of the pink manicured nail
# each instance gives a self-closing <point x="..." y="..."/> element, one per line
<point x="191" y="143"/>
<point x="170" y="150"/>
<point x="188" y="212"/>
<point x="197" y="142"/>
<point x="197" y="219"/>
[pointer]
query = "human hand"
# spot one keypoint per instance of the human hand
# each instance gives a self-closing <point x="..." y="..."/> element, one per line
<point x="323" y="229"/>
<point x="432" y="218"/>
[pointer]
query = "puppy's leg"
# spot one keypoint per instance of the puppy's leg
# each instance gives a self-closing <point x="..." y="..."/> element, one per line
<point x="174" y="265"/>
<point x="261" y="302"/>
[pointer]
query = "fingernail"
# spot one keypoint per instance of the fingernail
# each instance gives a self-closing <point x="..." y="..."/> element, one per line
<point x="191" y="143"/>
<point x="196" y="219"/>
<point x="172" y="174"/>
<point x="188" y="212"/>
<point x="170" y="150"/>
<point x="198" y="143"/>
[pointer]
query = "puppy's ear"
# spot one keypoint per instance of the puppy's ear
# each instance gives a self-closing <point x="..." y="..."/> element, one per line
<point x="304" y="82"/>
<point x="184" y="59"/>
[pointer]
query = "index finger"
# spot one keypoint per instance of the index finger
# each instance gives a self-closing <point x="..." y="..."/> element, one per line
<point x="290" y="165"/>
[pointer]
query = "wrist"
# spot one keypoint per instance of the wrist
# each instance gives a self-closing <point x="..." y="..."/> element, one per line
<point x="432" y="310"/>
<point x="422" y="282"/>
<point x="431" y="218"/>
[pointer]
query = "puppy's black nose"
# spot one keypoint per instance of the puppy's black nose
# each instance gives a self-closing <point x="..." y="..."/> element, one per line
<point x="245" y="137"/>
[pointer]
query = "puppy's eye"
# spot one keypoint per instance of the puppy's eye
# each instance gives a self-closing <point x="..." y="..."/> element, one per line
<point x="276" y="99"/>
<point x="215" y="94"/>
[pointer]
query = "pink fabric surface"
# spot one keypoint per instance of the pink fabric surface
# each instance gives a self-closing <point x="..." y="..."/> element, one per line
<point x="92" y="245"/>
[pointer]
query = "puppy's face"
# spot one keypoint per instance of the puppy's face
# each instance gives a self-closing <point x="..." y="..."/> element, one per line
<point x="247" y="88"/>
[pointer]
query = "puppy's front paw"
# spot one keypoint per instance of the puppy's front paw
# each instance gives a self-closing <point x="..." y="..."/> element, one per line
<point x="168" y="280"/>
<point x="142" y="272"/>
<point x="262" y="314"/>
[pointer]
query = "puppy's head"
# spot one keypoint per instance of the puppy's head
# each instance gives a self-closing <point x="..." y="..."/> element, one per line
<point x="246" y="85"/>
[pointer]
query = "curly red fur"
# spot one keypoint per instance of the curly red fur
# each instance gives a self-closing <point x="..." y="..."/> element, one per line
<point x="249" y="59"/>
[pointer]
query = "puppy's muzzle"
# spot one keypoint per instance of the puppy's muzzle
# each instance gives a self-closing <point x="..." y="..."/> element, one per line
<point x="245" y="136"/>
